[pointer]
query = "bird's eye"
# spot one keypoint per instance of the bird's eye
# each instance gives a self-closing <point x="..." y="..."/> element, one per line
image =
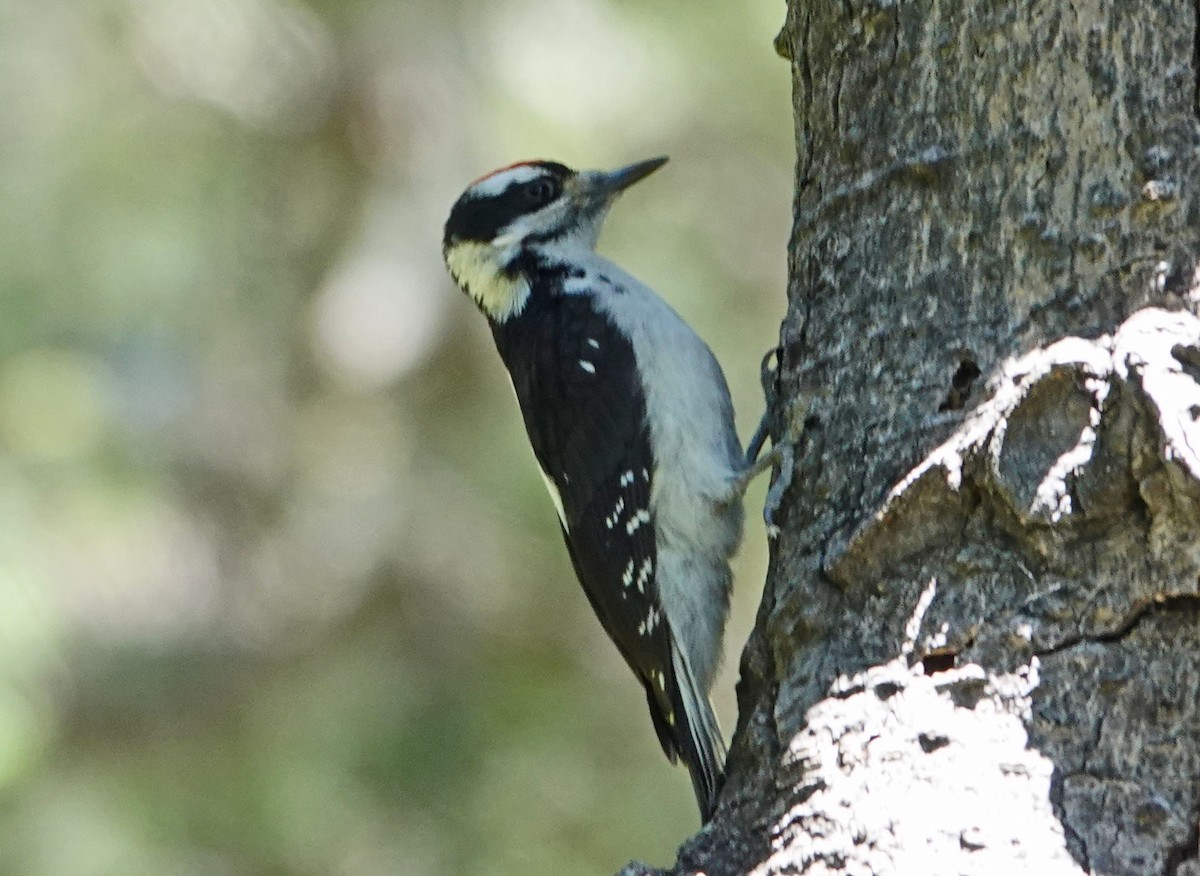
<point x="542" y="191"/>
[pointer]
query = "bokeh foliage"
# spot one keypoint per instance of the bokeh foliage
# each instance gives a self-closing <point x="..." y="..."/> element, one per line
<point x="279" y="589"/>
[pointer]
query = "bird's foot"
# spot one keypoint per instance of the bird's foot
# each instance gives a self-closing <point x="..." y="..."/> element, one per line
<point x="785" y="453"/>
<point x="782" y="453"/>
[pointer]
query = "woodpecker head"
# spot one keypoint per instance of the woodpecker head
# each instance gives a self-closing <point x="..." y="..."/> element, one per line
<point x="533" y="205"/>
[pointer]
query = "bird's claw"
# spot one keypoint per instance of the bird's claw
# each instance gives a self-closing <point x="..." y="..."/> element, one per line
<point x="783" y="451"/>
<point x="768" y="377"/>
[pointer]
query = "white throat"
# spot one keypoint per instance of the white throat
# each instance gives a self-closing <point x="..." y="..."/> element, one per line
<point x="478" y="268"/>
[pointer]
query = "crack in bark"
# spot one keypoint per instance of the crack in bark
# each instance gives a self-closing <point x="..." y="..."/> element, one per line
<point x="1086" y="863"/>
<point x="895" y="42"/>
<point x="926" y="167"/>
<point x="860" y="493"/>
<point x="1069" y="832"/>
<point x="837" y="100"/>
<point x="1141" y="611"/>
<point x="806" y="77"/>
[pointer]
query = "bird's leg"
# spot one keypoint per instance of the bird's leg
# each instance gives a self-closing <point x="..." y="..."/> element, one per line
<point x="781" y="454"/>
<point x="767" y="377"/>
<point x="797" y="412"/>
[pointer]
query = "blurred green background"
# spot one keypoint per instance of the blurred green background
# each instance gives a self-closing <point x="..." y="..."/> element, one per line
<point x="280" y="590"/>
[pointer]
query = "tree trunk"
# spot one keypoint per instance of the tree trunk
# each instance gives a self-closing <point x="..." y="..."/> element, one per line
<point x="979" y="645"/>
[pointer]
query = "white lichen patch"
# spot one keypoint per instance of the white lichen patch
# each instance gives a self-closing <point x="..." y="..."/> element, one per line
<point x="892" y="749"/>
<point x="1146" y="349"/>
<point x="892" y="752"/>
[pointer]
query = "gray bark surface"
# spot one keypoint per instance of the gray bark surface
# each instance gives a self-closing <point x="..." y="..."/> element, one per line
<point x="978" y="649"/>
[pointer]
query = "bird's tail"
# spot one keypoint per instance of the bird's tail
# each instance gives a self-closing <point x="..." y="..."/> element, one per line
<point x="698" y="738"/>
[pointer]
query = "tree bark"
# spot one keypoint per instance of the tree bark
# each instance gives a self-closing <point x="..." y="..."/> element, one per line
<point x="979" y="645"/>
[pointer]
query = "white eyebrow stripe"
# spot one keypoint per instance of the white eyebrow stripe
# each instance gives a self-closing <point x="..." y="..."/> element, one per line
<point x="493" y="185"/>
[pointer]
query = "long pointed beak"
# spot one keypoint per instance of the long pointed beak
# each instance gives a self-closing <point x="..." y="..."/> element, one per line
<point x="606" y="185"/>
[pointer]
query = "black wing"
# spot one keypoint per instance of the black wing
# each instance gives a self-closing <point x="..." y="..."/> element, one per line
<point x="580" y="396"/>
<point x="576" y="379"/>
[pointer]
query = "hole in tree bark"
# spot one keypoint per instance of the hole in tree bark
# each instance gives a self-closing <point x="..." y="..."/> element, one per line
<point x="886" y="690"/>
<point x="934" y="663"/>
<point x="960" y="385"/>
<point x="931" y="742"/>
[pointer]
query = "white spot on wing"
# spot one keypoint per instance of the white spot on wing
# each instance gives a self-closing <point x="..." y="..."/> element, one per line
<point x="593" y="343"/>
<point x="644" y="573"/>
<point x="646" y="627"/>
<point x="587" y="366"/>
<point x="612" y="519"/>
<point x="643" y="516"/>
<point x="627" y="578"/>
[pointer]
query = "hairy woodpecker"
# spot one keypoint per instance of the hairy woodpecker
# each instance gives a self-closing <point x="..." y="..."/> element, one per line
<point x="632" y="425"/>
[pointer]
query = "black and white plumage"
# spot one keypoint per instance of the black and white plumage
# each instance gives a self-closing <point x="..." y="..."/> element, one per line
<point x="632" y="425"/>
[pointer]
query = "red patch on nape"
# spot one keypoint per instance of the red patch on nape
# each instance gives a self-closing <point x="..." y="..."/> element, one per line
<point x="534" y="163"/>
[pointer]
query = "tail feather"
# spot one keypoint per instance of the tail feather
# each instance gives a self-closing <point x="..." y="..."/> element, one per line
<point x="697" y="736"/>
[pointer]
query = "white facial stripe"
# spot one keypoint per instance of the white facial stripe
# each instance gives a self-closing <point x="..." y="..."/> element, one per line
<point x="493" y="185"/>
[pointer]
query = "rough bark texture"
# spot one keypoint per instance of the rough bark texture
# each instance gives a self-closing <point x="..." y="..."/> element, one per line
<point x="979" y="646"/>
